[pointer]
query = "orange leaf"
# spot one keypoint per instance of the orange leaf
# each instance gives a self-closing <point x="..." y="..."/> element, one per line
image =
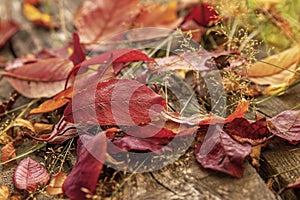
<point x="58" y="101"/>
<point x="239" y="112"/>
<point x="8" y="152"/>
<point x="38" y="18"/>
<point x="55" y="185"/>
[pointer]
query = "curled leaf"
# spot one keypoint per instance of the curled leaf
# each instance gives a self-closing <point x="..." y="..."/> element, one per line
<point x="286" y="125"/>
<point x="243" y="131"/>
<point x="55" y="185"/>
<point x="239" y="112"/>
<point x="222" y="153"/>
<point x="8" y="152"/>
<point x="29" y="174"/>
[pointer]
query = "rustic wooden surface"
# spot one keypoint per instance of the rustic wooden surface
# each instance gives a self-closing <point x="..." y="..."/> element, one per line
<point x="184" y="179"/>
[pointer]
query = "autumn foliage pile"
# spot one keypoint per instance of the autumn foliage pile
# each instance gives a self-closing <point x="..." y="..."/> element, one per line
<point x="99" y="97"/>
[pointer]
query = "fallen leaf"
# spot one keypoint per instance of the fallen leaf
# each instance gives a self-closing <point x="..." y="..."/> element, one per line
<point x="286" y="125"/>
<point x="56" y="102"/>
<point x="42" y="128"/>
<point x="243" y="131"/>
<point x="55" y="185"/>
<point x="44" y="78"/>
<point x="99" y="19"/>
<point x="8" y="152"/>
<point x="204" y="15"/>
<point x="78" y="55"/>
<point x="6" y="106"/>
<point x="62" y="132"/>
<point x="38" y="18"/>
<point x="158" y="15"/>
<point x="85" y="173"/>
<point x="276" y="68"/>
<point x="255" y="156"/>
<point x="222" y="153"/>
<point x="25" y="124"/>
<point x="240" y="111"/>
<point x="29" y="174"/>
<point x="4" y="192"/>
<point x="114" y="102"/>
<point x="7" y="30"/>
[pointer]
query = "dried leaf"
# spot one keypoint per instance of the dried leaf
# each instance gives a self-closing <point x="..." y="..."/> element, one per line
<point x="29" y="174"/>
<point x="7" y="30"/>
<point x="255" y="156"/>
<point x="78" y="55"/>
<point x="243" y="131"/>
<point x="62" y="132"/>
<point x="239" y="112"/>
<point x="8" y="152"/>
<point x="276" y="68"/>
<point x="56" y="102"/>
<point x="55" y="185"/>
<point x="114" y="102"/>
<point x="158" y="15"/>
<point x="99" y="19"/>
<point x="286" y="125"/>
<point x="6" y="106"/>
<point x="38" y="18"/>
<point x="85" y="173"/>
<point x="220" y="152"/>
<point x="4" y="192"/>
<point x="42" y="128"/>
<point x="44" y="78"/>
<point x="25" y="124"/>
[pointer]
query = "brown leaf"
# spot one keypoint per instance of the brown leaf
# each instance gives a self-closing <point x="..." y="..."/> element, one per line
<point x="7" y="30"/>
<point x="255" y="156"/>
<point x="29" y="174"/>
<point x="42" y="128"/>
<point x="43" y="78"/>
<point x="56" y="102"/>
<point x="8" y="152"/>
<point x="55" y="185"/>
<point x="276" y="68"/>
<point x="25" y="124"/>
<point x="4" y="192"/>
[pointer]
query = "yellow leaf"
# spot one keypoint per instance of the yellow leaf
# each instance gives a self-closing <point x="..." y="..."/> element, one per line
<point x="24" y="123"/>
<point x="275" y="69"/>
<point x="4" y="192"/>
<point x="55" y="185"/>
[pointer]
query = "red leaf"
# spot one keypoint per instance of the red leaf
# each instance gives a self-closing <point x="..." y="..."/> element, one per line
<point x="88" y="167"/>
<point x="286" y="125"/>
<point x="114" y="102"/>
<point x="220" y="152"/>
<point x="204" y="15"/>
<point x="99" y="19"/>
<point x="78" y="55"/>
<point x="243" y="131"/>
<point x="43" y="78"/>
<point x="7" y="30"/>
<point x="29" y="174"/>
<point x="149" y="131"/>
<point x="239" y="112"/>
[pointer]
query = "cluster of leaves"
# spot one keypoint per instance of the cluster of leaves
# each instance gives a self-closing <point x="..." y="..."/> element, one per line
<point x="222" y="144"/>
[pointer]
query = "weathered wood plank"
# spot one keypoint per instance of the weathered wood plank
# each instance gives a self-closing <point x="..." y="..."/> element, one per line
<point x="281" y="158"/>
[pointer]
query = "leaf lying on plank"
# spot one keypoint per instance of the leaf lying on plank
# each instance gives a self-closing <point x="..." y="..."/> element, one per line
<point x="114" y="102"/>
<point x="7" y="30"/>
<point x="243" y="131"/>
<point x="275" y="69"/>
<point x="44" y="78"/>
<point x="286" y="125"/>
<point x="29" y="174"/>
<point x="56" y="102"/>
<point x="222" y="153"/>
<point x="85" y="173"/>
